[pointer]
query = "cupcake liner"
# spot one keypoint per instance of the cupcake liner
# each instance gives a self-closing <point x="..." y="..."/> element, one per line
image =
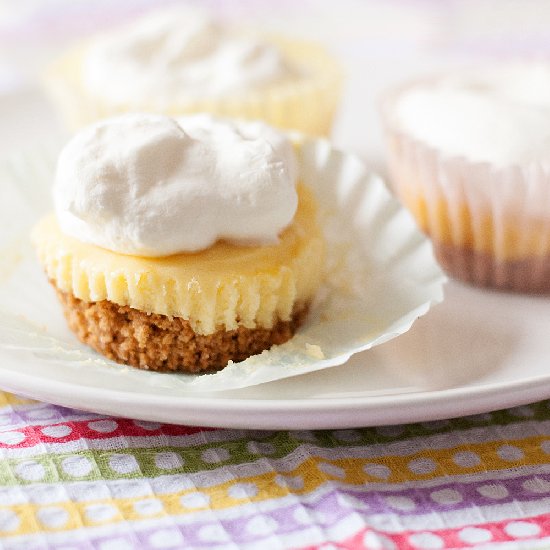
<point x="307" y="105"/>
<point x="380" y="277"/>
<point x="490" y="226"/>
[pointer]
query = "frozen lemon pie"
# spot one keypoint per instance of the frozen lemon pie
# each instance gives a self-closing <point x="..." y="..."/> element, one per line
<point x="470" y="157"/>
<point x="177" y="61"/>
<point x="181" y="244"/>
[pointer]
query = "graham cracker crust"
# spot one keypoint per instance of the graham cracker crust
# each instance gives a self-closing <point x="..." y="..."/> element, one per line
<point x="531" y="276"/>
<point x="160" y="343"/>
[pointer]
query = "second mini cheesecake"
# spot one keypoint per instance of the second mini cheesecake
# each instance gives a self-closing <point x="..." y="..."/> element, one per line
<point x="469" y="155"/>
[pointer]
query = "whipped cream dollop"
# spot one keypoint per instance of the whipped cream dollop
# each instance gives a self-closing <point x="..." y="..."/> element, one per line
<point x="178" y="53"/>
<point x="151" y="185"/>
<point x="498" y="115"/>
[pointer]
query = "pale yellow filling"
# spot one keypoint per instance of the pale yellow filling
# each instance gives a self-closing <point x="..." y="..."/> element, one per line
<point x="221" y="287"/>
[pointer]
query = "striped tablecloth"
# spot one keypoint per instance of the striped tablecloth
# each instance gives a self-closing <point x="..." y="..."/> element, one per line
<point x="75" y="480"/>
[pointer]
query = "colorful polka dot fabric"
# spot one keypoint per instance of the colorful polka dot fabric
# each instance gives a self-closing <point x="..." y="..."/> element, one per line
<point x="76" y="480"/>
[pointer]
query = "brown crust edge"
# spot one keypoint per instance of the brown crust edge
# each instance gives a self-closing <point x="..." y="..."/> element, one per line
<point x="528" y="276"/>
<point x="160" y="343"/>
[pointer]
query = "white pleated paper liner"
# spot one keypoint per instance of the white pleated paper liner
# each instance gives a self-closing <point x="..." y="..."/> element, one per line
<point x="381" y="276"/>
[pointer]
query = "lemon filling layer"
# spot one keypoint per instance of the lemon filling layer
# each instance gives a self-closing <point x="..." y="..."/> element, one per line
<point x="223" y="286"/>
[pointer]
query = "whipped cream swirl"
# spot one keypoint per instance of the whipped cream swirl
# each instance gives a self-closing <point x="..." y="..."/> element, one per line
<point x="499" y="115"/>
<point x="179" y="53"/>
<point x="151" y="185"/>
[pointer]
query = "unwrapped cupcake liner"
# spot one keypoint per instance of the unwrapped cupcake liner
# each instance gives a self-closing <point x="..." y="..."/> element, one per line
<point x="380" y="277"/>
<point x="490" y="226"/>
<point x="306" y="104"/>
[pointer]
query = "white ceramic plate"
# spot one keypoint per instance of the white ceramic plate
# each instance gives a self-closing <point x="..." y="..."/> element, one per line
<point x="478" y="351"/>
<point x="380" y="277"/>
<point x="475" y="352"/>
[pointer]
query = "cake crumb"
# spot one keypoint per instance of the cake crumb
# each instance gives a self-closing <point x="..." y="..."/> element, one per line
<point x="313" y="350"/>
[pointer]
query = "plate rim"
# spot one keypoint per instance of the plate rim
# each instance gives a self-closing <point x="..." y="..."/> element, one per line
<point x="314" y="413"/>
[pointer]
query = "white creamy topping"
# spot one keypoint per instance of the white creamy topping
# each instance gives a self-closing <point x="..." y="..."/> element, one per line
<point x="501" y="116"/>
<point x="151" y="185"/>
<point x="178" y="53"/>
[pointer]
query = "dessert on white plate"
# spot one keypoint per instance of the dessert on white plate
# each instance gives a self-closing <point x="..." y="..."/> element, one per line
<point x="470" y="157"/>
<point x="181" y="244"/>
<point x="378" y="278"/>
<point x="177" y="61"/>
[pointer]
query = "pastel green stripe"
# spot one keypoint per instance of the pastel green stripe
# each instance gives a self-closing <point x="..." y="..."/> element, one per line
<point x="540" y="411"/>
<point x="536" y="411"/>
<point x="40" y="469"/>
<point x="95" y="464"/>
<point x="138" y="462"/>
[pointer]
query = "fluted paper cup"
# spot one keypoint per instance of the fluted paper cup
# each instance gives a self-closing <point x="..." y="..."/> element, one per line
<point x="380" y="277"/>
<point x="307" y="103"/>
<point x="490" y="226"/>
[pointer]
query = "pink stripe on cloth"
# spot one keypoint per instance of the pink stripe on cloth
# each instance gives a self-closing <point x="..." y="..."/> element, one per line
<point x="64" y="432"/>
<point x="517" y="529"/>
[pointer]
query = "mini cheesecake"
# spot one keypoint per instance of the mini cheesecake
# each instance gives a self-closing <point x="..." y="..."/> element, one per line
<point x="469" y="156"/>
<point x="188" y="310"/>
<point x="176" y="61"/>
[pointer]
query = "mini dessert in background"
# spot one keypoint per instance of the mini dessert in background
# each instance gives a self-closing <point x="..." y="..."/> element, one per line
<point x="181" y="244"/>
<point x="469" y="155"/>
<point x="179" y="61"/>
